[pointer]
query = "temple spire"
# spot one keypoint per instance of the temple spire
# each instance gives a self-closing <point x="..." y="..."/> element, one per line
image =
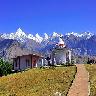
<point x="61" y="42"/>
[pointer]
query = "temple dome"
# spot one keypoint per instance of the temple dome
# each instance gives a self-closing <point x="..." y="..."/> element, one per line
<point x="61" y="43"/>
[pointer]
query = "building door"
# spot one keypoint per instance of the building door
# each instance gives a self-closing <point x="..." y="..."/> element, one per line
<point x="34" y="63"/>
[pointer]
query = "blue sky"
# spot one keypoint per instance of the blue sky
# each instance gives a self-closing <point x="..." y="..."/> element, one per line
<point x="40" y="16"/>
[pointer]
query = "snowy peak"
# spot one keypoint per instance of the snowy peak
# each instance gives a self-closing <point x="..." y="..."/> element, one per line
<point x="19" y="30"/>
<point x="86" y="35"/>
<point x="30" y="36"/>
<point x="22" y="36"/>
<point x="55" y="34"/>
<point x="38" y="38"/>
<point x="46" y="36"/>
<point x="72" y="33"/>
<point x="20" y="33"/>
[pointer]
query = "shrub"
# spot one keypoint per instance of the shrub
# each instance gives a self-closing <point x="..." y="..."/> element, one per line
<point x="5" y="67"/>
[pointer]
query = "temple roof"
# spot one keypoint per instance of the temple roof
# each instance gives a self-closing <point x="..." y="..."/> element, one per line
<point x="61" y="42"/>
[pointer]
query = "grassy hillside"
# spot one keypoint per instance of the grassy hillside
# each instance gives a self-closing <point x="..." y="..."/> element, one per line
<point x="38" y="82"/>
<point x="92" y="74"/>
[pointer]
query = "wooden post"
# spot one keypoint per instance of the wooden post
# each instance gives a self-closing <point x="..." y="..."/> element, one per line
<point x="19" y="62"/>
<point x="31" y="61"/>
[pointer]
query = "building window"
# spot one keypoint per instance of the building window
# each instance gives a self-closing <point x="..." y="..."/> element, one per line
<point x="27" y="62"/>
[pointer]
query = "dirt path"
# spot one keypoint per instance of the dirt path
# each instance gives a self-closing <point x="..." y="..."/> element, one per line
<point x="80" y="83"/>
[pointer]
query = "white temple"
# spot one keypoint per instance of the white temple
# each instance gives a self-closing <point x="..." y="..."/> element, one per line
<point x="61" y="54"/>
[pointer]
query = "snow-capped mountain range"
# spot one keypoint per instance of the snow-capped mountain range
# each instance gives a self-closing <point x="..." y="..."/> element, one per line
<point x="22" y="36"/>
<point x="81" y="44"/>
<point x="82" y="35"/>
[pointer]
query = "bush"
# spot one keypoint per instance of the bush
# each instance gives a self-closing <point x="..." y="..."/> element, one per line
<point x="5" y="67"/>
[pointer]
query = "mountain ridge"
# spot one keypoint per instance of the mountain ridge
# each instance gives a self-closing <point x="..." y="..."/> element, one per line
<point x="22" y="36"/>
<point x="78" y="43"/>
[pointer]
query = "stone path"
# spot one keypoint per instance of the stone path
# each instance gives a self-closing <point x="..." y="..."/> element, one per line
<point x="80" y="83"/>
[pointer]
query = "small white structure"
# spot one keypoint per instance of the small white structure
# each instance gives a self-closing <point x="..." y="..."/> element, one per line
<point x="61" y="54"/>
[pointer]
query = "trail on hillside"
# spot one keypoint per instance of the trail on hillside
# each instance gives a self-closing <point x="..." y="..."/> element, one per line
<point x="80" y="83"/>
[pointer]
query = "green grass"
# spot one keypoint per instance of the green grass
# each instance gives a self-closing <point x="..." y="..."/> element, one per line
<point x="92" y="77"/>
<point x="38" y="82"/>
